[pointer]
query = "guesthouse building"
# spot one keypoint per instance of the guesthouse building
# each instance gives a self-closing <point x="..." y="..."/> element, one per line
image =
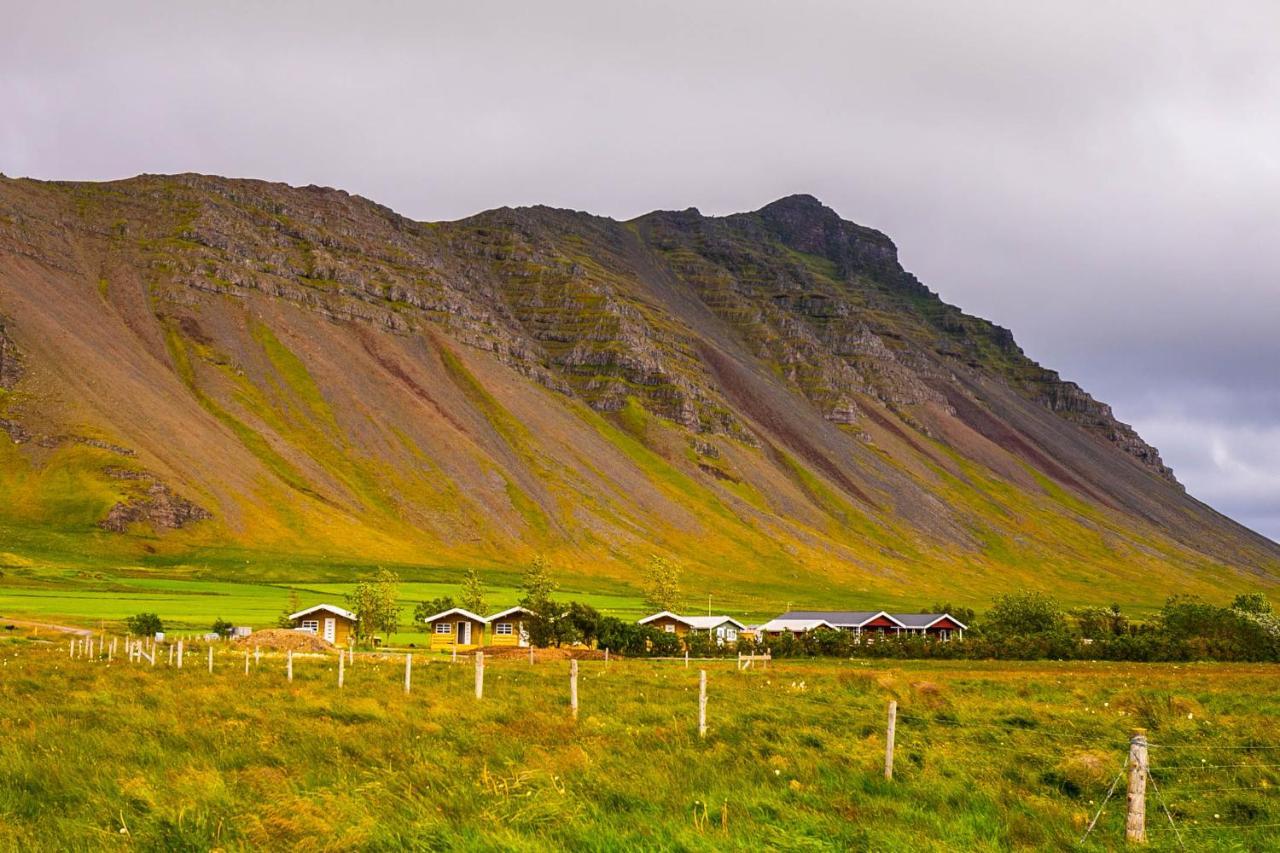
<point x="329" y="622"/>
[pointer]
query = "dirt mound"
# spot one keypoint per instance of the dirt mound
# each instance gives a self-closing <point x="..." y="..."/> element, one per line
<point x="283" y="640"/>
<point x="544" y="654"/>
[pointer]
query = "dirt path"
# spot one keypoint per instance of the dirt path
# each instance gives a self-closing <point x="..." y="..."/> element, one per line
<point x="65" y="629"/>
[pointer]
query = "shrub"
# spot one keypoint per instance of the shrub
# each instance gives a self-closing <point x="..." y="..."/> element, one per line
<point x="144" y="624"/>
<point x="222" y="627"/>
<point x="1024" y="614"/>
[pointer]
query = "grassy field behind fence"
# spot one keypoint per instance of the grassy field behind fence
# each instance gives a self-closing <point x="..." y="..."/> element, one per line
<point x="989" y="756"/>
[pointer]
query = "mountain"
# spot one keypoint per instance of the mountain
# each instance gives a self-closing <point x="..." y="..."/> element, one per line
<point x="195" y="366"/>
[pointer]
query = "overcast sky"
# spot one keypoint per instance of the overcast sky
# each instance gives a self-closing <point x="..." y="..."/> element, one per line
<point x="1102" y="178"/>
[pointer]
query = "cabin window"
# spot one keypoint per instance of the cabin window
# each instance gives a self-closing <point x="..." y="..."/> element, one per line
<point x="504" y="628"/>
<point x="669" y="628"/>
<point x="312" y="625"/>
<point x="444" y="628"/>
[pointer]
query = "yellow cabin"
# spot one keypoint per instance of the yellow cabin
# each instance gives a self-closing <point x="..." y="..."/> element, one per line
<point x="333" y="624"/>
<point x="456" y="628"/>
<point x="508" y="627"/>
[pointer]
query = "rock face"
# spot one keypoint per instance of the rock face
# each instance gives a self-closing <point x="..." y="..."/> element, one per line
<point x="316" y="372"/>
<point x="159" y="507"/>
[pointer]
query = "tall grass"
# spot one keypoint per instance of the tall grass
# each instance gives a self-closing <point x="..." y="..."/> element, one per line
<point x="990" y="756"/>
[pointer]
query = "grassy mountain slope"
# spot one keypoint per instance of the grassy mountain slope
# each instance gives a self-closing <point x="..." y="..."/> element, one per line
<point x="247" y="379"/>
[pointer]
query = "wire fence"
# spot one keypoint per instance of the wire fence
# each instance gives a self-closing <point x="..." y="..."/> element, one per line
<point x="1185" y="807"/>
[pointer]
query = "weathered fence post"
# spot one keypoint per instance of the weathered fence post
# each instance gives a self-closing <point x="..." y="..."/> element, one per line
<point x="573" y="687"/>
<point x="288" y="665"/>
<point x="257" y="656"/>
<point x="686" y="658"/>
<point x="1135" y="824"/>
<point x="889" y="734"/>
<point x="479" y="674"/>
<point x="531" y="654"/>
<point x="210" y="659"/>
<point x="702" y="703"/>
<point x="246" y="661"/>
<point x="408" y="666"/>
<point x="171" y="654"/>
<point x="71" y="649"/>
<point x="180" y="652"/>
<point x="342" y="668"/>
<point x="606" y="658"/>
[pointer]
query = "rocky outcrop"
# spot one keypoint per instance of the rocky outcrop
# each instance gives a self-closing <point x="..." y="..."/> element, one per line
<point x="158" y="507"/>
<point x="10" y="359"/>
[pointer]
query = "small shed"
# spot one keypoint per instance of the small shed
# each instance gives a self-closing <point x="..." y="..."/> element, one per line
<point x="331" y="623"/>
<point x="508" y="627"/>
<point x="456" y="628"/>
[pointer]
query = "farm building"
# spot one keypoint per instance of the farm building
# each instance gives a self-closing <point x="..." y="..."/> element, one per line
<point x="940" y="625"/>
<point x="857" y="621"/>
<point x="508" y="627"/>
<point x="785" y="625"/>
<point x="724" y="629"/>
<point x="333" y="624"/>
<point x="456" y="628"/>
<point x="943" y="626"/>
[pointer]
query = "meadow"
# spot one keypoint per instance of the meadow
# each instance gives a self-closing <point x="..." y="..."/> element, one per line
<point x="990" y="756"/>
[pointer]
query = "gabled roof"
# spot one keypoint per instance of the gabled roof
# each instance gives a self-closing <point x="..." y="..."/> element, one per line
<point x="698" y="623"/>
<point x="345" y="614"/>
<point x="709" y="623"/>
<point x="646" y="620"/>
<point x="781" y="624"/>
<point x="841" y="618"/>
<point x="461" y="612"/>
<point x="510" y="611"/>
<point x="925" y="620"/>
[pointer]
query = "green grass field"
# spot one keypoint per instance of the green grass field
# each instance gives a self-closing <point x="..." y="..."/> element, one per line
<point x="102" y="601"/>
<point x="992" y="756"/>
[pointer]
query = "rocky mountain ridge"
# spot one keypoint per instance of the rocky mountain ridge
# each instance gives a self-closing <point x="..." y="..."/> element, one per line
<point x="781" y="365"/>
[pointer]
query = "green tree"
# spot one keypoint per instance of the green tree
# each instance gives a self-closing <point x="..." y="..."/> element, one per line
<point x="222" y="627"/>
<point x="538" y="587"/>
<point x="964" y="614"/>
<point x="1251" y="602"/>
<point x="424" y="609"/>
<point x="376" y="603"/>
<point x="293" y="606"/>
<point x="1099" y="623"/>
<point x="473" y="592"/>
<point x="662" y="584"/>
<point x="144" y="624"/>
<point x="1024" y="614"/>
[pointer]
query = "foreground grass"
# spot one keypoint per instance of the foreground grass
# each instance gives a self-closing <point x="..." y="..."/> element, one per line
<point x="990" y="756"/>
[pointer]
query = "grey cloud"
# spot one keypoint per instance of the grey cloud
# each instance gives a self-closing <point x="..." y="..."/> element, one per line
<point x="1103" y="179"/>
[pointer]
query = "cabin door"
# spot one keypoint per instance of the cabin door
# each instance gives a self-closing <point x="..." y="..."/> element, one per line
<point x="330" y="629"/>
<point x="464" y="633"/>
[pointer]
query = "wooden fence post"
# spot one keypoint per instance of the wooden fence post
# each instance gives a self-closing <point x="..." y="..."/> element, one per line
<point x="531" y="654"/>
<point x="573" y="687"/>
<point x="180" y="651"/>
<point x="171" y="654"/>
<point x="890" y="733"/>
<point x="288" y="665"/>
<point x="257" y="656"/>
<point x="210" y="659"/>
<point x="408" y="666"/>
<point x="606" y="658"/>
<point x="342" y="667"/>
<point x="479" y="674"/>
<point x="246" y="661"/>
<point x="702" y="703"/>
<point x="686" y="658"/>
<point x="1135" y="824"/>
